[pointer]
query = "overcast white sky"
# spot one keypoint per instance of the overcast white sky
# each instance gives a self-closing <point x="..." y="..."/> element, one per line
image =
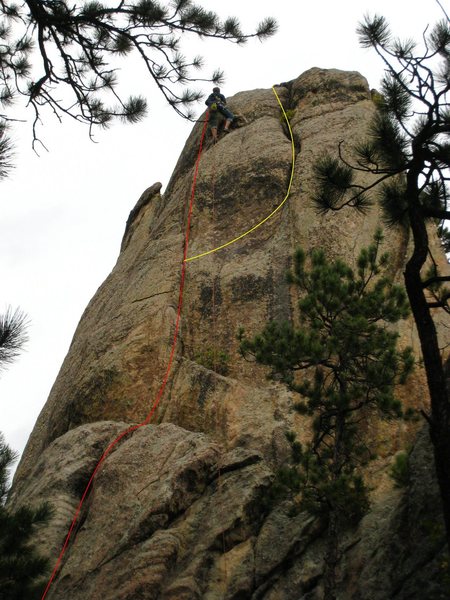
<point x="62" y="214"/>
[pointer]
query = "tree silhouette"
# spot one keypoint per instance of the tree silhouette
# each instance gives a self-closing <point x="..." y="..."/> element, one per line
<point x="21" y="565"/>
<point x="408" y="154"/>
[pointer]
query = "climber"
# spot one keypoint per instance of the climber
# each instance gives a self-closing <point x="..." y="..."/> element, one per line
<point x="216" y="102"/>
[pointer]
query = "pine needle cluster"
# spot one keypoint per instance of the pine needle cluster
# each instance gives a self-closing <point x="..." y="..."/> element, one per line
<point x="410" y="129"/>
<point x="13" y="335"/>
<point x="6" y="151"/>
<point x="63" y="55"/>
<point x="21" y="565"/>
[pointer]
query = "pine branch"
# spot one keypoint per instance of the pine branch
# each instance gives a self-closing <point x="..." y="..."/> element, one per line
<point x="77" y="44"/>
<point x="441" y="303"/>
<point x="13" y="335"/>
<point x="6" y="151"/>
<point x="442" y="8"/>
<point x="442" y="215"/>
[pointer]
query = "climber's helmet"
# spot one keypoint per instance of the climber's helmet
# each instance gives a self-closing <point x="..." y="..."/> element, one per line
<point x="216" y="90"/>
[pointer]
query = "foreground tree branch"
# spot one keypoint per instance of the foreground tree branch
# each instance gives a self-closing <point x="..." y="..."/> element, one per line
<point x="63" y="55"/>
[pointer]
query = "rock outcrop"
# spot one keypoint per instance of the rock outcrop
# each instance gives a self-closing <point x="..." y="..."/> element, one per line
<point x="178" y="511"/>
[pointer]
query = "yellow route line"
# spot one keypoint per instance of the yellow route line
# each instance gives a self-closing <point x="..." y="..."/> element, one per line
<point x="239" y="237"/>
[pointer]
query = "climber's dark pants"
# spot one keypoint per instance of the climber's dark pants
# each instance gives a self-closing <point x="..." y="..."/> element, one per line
<point x="214" y="118"/>
<point x="226" y="112"/>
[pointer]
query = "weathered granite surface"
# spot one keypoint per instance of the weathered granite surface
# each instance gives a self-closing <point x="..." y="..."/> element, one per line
<point x="176" y="511"/>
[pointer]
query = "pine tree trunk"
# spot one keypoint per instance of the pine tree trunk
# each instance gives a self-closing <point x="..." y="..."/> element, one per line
<point x="440" y="407"/>
<point x="332" y="553"/>
<point x="331" y="558"/>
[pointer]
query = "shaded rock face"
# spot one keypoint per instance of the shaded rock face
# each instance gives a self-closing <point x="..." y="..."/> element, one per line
<point x="177" y="511"/>
<point x="174" y="516"/>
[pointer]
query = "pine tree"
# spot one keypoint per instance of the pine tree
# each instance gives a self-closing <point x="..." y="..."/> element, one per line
<point x="342" y="359"/>
<point x="408" y="152"/>
<point x="63" y="55"/>
<point x="21" y="565"/>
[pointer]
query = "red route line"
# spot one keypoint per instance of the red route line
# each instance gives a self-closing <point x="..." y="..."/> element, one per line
<point x="166" y="376"/>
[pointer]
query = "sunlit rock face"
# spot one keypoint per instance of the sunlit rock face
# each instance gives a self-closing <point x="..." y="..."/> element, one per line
<point x="177" y="510"/>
